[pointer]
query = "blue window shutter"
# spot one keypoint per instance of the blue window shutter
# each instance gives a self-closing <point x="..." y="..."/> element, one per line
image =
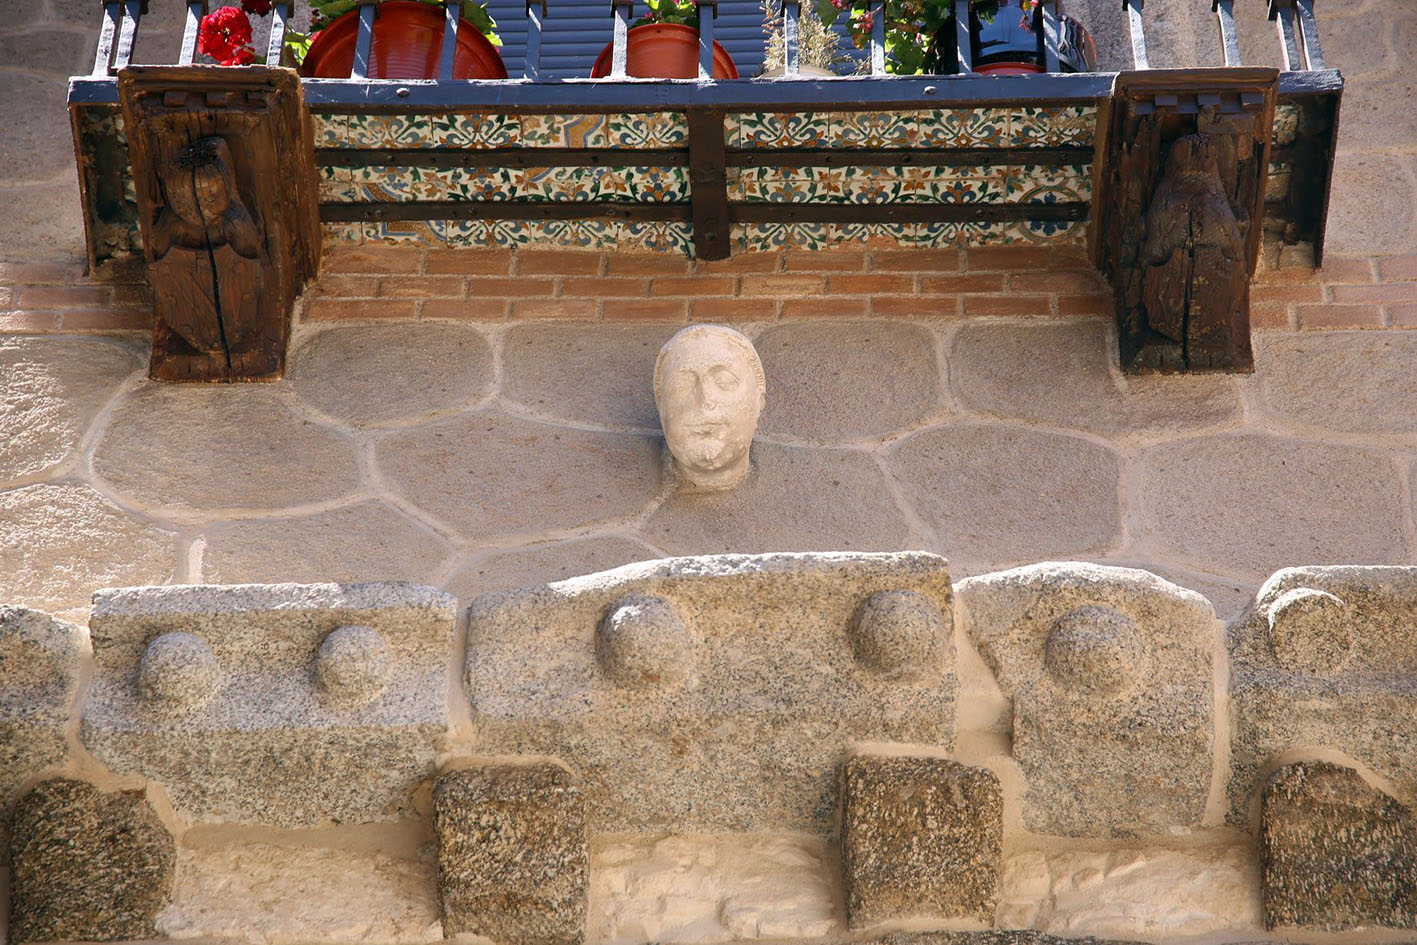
<point x="577" y="30"/>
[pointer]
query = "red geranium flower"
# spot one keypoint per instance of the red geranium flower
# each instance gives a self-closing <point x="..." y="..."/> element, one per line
<point x="256" y="7"/>
<point x="225" y="35"/>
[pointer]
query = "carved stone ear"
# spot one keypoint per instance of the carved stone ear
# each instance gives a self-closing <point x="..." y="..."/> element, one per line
<point x="643" y="641"/>
<point x="178" y="673"/>
<point x="1310" y="631"/>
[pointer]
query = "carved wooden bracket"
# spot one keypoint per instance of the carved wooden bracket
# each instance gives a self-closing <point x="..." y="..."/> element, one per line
<point x="224" y="169"/>
<point x="1179" y="195"/>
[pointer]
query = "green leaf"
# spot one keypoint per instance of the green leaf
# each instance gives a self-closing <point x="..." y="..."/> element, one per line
<point x="827" y="12"/>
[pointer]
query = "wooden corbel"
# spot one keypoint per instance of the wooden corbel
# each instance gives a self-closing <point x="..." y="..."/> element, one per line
<point x="224" y="169"/>
<point x="1179" y="195"/>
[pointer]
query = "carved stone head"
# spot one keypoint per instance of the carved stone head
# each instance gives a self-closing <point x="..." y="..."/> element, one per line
<point x="709" y="388"/>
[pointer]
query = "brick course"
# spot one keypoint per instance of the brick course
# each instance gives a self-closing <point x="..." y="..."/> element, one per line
<point x="407" y="282"/>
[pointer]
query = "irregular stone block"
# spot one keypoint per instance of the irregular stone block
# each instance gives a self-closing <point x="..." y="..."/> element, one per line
<point x="512" y="857"/>
<point x="1354" y="382"/>
<point x="287" y="704"/>
<point x="1109" y="670"/>
<point x="1017" y="937"/>
<point x="920" y="837"/>
<point x="39" y="677"/>
<point x="87" y="866"/>
<point x="1324" y="658"/>
<point x="1335" y="853"/>
<point x="716" y="693"/>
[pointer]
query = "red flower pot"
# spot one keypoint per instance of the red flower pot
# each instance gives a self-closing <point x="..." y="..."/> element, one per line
<point x="665" y="51"/>
<point x="408" y="44"/>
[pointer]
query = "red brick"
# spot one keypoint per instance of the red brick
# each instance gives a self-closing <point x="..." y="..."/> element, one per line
<point x="362" y="258"/>
<point x="646" y="310"/>
<point x="340" y="309"/>
<point x="61" y="296"/>
<point x="825" y="260"/>
<point x="481" y="287"/>
<point x="789" y="286"/>
<point x="872" y="284"/>
<point x="741" y="262"/>
<point x="693" y="286"/>
<point x="983" y="305"/>
<point x="1286" y="294"/>
<point x="1070" y="257"/>
<point x="1398" y="268"/>
<point x="733" y="310"/>
<point x="469" y="262"/>
<point x="1340" y="316"/>
<point x="1384" y="292"/>
<point x="1075" y="282"/>
<point x="133" y="297"/>
<point x="991" y="258"/>
<point x="423" y="287"/>
<point x="575" y="309"/>
<point x="1074" y="306"/>
<point x="105" y="320"/>
<point x="1339" y="270"/>
<point x="598" y="287"/>
<point x="7" y="298"/>
<point x="11" y="322"/>
<point x="962" y="282"/>
<point x="647" y="264"/>
<point x="348" y="286"/>
<point x="934" y="306"/>
<point x="479" y="309"/>
<point x="831" y="307"/>
<point x="558" y="262"/>
<point x="1268" y="315"/>
<point x="132" y="269"/>
<point x="1398" y="316"/>
<point x="917" y="260"/>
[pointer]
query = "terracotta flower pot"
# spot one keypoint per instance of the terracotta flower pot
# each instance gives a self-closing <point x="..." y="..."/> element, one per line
<point x="665" y="51"/>
<point x="408" y="44"/>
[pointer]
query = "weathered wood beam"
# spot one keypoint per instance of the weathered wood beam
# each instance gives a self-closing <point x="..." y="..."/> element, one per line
<point x="708" y="183"/>
<point x="225" y="176"/>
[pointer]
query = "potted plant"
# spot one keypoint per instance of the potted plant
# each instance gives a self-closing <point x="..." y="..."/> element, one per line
<point x="407" y="41"/>
<point x="920" y="36"/>
<point x="665" y="45"/>
<point x="819" y="51"/>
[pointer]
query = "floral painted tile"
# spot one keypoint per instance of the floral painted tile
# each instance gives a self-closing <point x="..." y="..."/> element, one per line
<point x="962" y="128"/>
<point x="1053" y="126"/>
<point x="631" y="184"/>
<point x="648" y="130"/>
<point x="389" y="131"/>
<point x="873" y="129"/>
<point x="473" y="130"/>
<point x="667" y="236"/>
<point x="463" y="234"/>
<point x="343" y="232"/>
<point x="401" y="231"/>
<point x="331" y="131"/>
<point x="334" y="189"/>
<point x="564" y="131"/>
<point x="783" y="130"/>
<point x="1029" y="184"/>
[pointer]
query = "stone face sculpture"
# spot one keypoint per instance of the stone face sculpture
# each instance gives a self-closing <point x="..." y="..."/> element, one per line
<point x="283" y="704"/>
<point x="1324" y="659"/>
<point x="1110" y="674"/>
<point x="716" y="693"/>
<point x="709" y="388"/>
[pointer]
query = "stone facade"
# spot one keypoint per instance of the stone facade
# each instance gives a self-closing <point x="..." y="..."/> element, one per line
<point x="480" y="422"/>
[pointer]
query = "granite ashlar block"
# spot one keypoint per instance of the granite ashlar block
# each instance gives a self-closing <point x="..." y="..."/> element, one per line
<point x="921" y="838"/>
<point x="283" y="704"/>
<point x="1324" y="658"/>
<point x="1335" y="852"/>
<point x="1110" y="673"/>
<point x="39" y="677"/>
<point x="513" y="863"/>
<point x="716" y="693"/>
<point x="87" y="866"/>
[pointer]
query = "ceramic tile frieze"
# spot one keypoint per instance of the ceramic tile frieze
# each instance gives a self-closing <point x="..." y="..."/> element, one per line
<point x="769" y="236"/>
<point x="492" y="130"/>
<point x="281" y="704"/>
<point x="1324" y="658"/>
<point x="572" y="234"/>
<point x="716" y="692"/>
<point x="856" y="185"/>
<point x="938" y="128"/>
<point x="1110" y="674"/>
<point x="555" y="184"/>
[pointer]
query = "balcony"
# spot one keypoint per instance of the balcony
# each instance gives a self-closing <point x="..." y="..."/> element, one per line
<point x="712" y="167"/>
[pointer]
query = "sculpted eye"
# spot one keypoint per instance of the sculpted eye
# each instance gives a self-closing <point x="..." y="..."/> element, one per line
<point x="725" y="379"/>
